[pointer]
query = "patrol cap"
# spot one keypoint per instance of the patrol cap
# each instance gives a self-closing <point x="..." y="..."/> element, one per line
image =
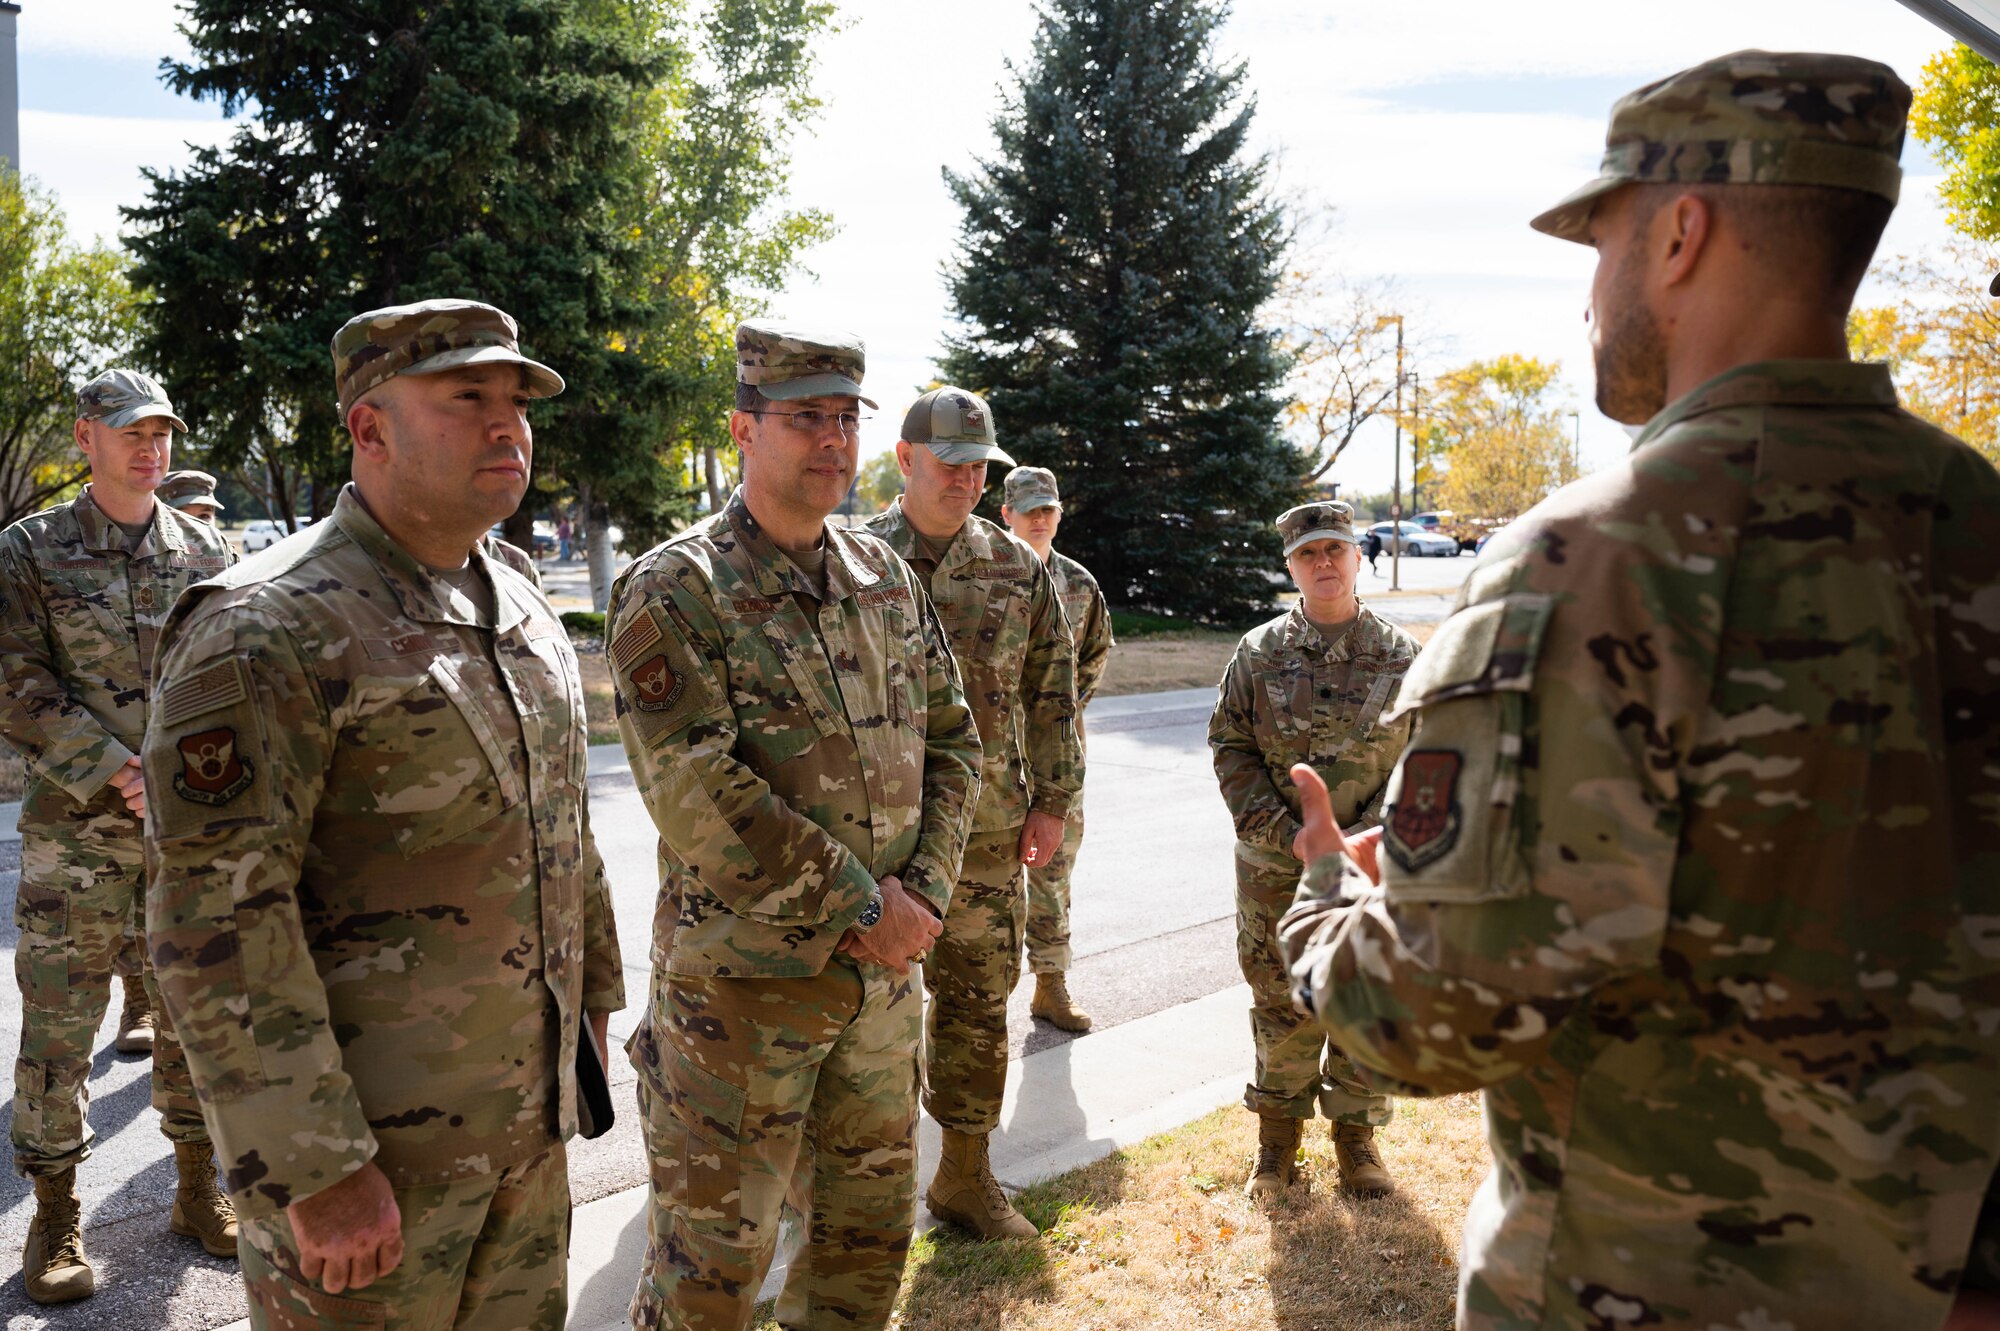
<point x="1030" y="488"/>
<point x="181" y="488"/>
<point x="1327" y="520"/>
<point x="429" y="337"/>
<point x="1752" y="118"/>
<point x="785" y="364"/>
<point x="120" y="397"/>
<point x="955" y="425"/>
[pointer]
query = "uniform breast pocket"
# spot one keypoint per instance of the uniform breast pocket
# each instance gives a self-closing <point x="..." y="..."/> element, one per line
<point x="781" y="709"/>
<point x="87" y="627"/>
<point x="433" y="761"/>
<point x="904" y="671"/>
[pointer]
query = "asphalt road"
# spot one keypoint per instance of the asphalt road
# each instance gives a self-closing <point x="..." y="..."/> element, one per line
<point x="1153" y="923"/>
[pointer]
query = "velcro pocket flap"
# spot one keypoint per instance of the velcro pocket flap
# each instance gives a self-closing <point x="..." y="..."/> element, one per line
<point x="1486" y="648"/>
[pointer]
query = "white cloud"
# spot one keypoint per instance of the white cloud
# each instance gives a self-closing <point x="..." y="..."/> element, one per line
<point x="92" y="163"/>
<point x="117" y="28"/>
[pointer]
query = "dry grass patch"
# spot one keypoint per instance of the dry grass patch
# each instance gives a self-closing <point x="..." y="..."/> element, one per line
<point x="13" y="775"/>
<point x="1185" y="660"/>
<point x="598" y="701"/>
<point x="1161" y="1236"/>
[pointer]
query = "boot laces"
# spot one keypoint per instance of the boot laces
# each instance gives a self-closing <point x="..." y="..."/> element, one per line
<point x="62" y="1230"/>
<point x="1362" y="1149"/>
<point x="1272" y="1157"/>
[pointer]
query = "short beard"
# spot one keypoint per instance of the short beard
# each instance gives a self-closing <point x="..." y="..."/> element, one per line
<point x="1630" y="355"/>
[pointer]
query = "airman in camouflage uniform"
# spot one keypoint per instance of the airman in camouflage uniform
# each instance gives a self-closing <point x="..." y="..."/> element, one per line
<point x="84" y="587"/>
<point x="1033" y="511"/>
<point x="1693" y="860"/>
<point x="797" y="730"/>
<point x="193" y="493"/>
<point x="378" y="915"/>
<point x="1315" y="685"/>
<point x="1008" y="632"/>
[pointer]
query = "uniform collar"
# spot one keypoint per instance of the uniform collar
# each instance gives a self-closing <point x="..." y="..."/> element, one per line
<point x="103" y="536"/>
<point x="1304" y="635"/>
<point x="976" y="540"/>
<point x="1779" y="383"/>
<point x="416" y="591"/>
<point x="847" y="569"/>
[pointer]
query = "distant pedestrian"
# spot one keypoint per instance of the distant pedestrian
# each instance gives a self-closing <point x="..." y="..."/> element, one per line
<point x="563" y="534"/>
<point x="1371" y="546"/>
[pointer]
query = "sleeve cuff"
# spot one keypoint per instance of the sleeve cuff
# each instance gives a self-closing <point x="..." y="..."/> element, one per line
<point x="278" y="1146"/>
<point x="84" y="785"/>
<point x="852" y="891"/>
<point x="923" y="877"/>
<point x="1056" y="804"/>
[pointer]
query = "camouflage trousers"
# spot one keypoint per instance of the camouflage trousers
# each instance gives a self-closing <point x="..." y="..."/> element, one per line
<point x="974" y="965"/>
<point x="743" y="1081"/>
<point x="1297" y="1068"/>
<point x="1048" y="904"/>
<point x="486" y="1253"/>
<point x="81" y="891"/>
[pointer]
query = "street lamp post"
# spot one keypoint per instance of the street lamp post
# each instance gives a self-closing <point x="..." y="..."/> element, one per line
<point x="1416" y="441"/>
<point x="1396" y="495"/>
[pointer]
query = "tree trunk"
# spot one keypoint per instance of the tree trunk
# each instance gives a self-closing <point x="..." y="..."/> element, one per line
<point x="519" y="528"/>
<point x="710" y="474"/>
<point x="596" y="516"/>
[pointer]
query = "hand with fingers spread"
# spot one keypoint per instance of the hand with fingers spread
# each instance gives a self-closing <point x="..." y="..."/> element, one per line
<point x="351" y="1234"/>
<point x="1321" y="834"/>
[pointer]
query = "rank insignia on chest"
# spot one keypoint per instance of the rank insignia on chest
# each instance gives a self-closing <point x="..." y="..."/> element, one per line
<point x="1423" y="824"/>
<point x="655" y="686"/>
<point x="211" y="771"/>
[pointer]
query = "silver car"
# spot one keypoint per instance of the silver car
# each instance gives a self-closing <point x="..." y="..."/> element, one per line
<point x="1417" y="539"/>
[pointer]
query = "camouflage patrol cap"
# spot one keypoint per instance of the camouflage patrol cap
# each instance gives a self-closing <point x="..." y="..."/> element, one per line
<point x="1327" y="520"/>
<point x="1030" y="488"/>
<point x="955" y="425"/>
<point x="120" y="397"/>
<point x="181" y="488"/>
<point x="784" y="364"/>
<point x="1752" y="118"/>
<point x="429" y="337"/>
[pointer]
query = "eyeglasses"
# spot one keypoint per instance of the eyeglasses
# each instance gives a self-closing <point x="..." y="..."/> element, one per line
<point x="816" y="422"/>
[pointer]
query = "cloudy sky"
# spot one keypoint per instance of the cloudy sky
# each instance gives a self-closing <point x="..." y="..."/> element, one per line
<point x="1435" y="130"/>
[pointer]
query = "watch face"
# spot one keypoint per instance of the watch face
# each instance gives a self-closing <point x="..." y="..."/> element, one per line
<point x="871" y="914"/>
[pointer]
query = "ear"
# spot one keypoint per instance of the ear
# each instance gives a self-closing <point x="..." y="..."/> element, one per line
<point x="904" y="456"/>
<point x="1681" y="233"/>
<point x="739" y="427"/>
<point x="82" y="433"/>
<point x="365" y="422"/>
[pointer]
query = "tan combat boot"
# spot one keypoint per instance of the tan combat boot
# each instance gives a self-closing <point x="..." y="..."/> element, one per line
<point x="965" y="1192"/>
<point x="136" y="1024"/>
<point x="202" y="1210"/>
<point x="1361" y="1167"/>
<point x="1277" y="1159"/>
<point x="1053" y="1004"/>
<point x="52" y="1263"/>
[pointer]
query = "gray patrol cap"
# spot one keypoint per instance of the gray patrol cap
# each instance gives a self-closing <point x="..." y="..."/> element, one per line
<point x="120" y="397"/>
<point x="181" y="488"/>
<point x="785" y="364"/>
<point x="1030" y="488"/>
<point x="955" y="425"/>
<point x="1327" y="520"/>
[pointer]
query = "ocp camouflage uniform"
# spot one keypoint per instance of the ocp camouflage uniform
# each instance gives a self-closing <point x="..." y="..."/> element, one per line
<point x="80" y="617"/>
<point x="1288" y="696"/>
<point x="378" y="915"/>
<point x="790" y="763"/>
<point x="1693" y="860"/>
<point x="1007" y="631"/>
<point x="1089" y="620"/>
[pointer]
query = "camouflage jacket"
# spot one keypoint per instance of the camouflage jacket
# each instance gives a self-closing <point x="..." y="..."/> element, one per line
<point x="789" y="765"/>
<point x="1008" y="632"/>
<point x="1286" y="698"/>
<point x="79" y="629"/>
<point x="1089" y="620"/>
<point x="1693" y="863"/>
<point x="376" y="910"/>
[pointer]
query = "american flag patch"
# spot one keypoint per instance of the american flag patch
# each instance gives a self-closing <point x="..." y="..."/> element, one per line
<point x="634" y="638"/>
<point x="206" y="690"/>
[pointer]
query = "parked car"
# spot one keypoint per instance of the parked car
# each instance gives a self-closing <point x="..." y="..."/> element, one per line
<point x="545" y="541"/>
<point x="263" y="533"/>
<point x="1416" y="539"/>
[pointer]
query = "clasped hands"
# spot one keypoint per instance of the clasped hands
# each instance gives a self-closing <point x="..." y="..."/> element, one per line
<point x="905" y="931"/>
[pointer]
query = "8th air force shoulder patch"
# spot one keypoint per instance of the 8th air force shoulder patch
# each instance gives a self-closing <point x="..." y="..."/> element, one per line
<point x="1423" y="824"/>
<point x="211" y="772"/>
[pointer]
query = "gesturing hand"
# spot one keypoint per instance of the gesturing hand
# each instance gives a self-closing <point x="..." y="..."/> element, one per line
<point x="1321" y="834"/>
<point x="349" y="1234"/>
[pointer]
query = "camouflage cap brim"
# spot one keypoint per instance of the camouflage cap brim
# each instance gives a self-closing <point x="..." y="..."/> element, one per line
<point x="957" y="454"/>
<point x="118" y="420"/>
<point x="1322" y="534"/>
<point x="1570" y="219"/>
<point x="1028" y="503"/>
<point x="815" y="385"/>
<point x="198" y="500"/>
<point x="542" y="381"/>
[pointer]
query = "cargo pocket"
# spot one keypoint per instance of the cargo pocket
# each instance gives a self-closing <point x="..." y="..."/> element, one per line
<point x="288" y="1304"/>
<point x="694" y="1123"/>
<point x="1453" y="822"/>
<point x="43" y="954"/>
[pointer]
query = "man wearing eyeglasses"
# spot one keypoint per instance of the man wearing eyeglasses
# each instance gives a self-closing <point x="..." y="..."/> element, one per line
<point x="798" y="733"/>
<point x="1007" y="629"/>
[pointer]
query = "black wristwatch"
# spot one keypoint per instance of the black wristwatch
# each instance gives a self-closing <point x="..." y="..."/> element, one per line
<point x="870" y="916"/>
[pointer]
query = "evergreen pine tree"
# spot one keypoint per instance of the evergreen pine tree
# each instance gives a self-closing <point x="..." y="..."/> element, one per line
<point x="1114" y="256"/>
